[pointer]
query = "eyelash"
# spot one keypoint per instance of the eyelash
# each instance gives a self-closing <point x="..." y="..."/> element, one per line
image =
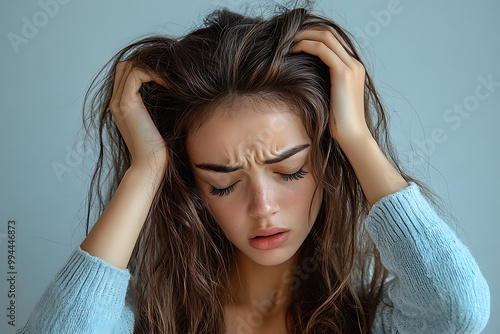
<point x="226" y="191"/>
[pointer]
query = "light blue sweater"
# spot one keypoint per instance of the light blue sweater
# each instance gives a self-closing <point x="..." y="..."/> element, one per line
<point x="435" y="287"/>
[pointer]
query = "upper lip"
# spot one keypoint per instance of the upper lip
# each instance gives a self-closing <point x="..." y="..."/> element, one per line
<point x="264" y="232"/>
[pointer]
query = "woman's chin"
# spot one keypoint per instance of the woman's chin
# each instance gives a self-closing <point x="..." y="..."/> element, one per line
<point x="267" y="258"/>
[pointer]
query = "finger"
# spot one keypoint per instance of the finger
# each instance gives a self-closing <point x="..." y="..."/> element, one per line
<point x="120" y="70"/>
<point x="121" y="74"/>
<point x="138" y="113"/>
<point x="136" y="77"/>
<point x="326" y="36"/>
<point x="156" y="78"/>
<point x="131" y="114"/>
<point x="123" y="70"/>
<point x="335" y="34"/>
<point x="320" y="50"/>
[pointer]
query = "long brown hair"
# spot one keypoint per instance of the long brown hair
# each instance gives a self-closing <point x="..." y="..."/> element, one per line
<point x="181" y="261"/>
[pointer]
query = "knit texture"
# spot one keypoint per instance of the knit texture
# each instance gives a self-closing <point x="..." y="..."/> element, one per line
<point x="86" y="296"/>
<point x="435" y="284"/>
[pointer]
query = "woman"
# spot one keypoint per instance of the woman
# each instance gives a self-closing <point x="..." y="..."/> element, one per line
<point x="251" y="192"/>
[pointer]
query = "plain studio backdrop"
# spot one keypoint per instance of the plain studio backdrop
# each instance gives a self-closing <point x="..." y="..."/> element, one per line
<point x="435" y="64"/>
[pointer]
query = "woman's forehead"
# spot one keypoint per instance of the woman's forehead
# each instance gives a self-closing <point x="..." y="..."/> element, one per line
<point x="266" y="130"/>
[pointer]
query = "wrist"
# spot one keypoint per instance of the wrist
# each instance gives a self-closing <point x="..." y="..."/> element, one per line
<point x="354" y="138"/>
<point x="150" y="175"/>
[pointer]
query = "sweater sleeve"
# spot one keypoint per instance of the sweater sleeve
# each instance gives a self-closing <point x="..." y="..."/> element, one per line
<point x="435" y="285"/>
<point x="86" y="296"/>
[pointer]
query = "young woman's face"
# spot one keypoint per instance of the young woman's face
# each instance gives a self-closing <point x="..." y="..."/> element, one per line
<point x="240" y="166"/>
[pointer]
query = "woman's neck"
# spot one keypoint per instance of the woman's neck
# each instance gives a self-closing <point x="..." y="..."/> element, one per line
<point x="262" y="289"/>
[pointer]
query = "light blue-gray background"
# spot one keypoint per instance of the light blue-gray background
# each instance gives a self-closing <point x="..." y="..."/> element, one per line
<point x="426" y="58"/>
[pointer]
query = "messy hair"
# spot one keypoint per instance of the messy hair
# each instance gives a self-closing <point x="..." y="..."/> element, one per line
<point x="181" y="261"/>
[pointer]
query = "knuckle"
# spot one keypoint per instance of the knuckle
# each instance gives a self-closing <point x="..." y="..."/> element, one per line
<point x="318" y="47"/>
<point x="114" y="107"/>
<point x="326" y="33"/>
<point x="360" y="68"/>
<point x="124" y="104"/>
<point x="116" y="112"/>
<point x="121" y="65"/>
<point x="135" y="71"/>
<point x="127" y="103"/>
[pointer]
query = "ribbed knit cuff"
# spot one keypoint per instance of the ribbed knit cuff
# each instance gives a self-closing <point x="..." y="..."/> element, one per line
<point x="437" y="281"/>
<point x="101" y="278"/>
<point x="401" y="217"/>
<point x="86" y="296"/>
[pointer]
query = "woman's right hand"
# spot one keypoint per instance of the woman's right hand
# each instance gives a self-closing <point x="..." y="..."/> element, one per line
<point x="146" y="145"/>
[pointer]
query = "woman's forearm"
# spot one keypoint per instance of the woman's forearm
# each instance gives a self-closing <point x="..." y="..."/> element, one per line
<point x="115" y="233"/>
<point x="377" y="176"/>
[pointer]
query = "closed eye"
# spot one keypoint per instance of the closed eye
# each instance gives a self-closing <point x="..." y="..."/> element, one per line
<point x="287" y="177"/>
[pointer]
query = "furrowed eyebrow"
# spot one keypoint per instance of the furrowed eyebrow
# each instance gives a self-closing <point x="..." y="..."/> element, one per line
<point x="225" y="169"/>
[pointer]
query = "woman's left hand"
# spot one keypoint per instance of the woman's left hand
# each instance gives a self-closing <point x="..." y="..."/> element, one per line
<point x="347" y="78"/>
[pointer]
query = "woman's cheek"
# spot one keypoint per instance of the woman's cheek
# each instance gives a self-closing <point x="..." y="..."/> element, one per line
<point x="296" y="196"/>
<point x="226" y="218"/>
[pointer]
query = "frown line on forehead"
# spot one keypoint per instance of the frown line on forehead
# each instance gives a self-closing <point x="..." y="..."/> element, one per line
<point x="228" y="169"/>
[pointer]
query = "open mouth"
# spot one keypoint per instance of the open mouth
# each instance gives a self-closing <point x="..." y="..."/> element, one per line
<point x="269" y="241"/>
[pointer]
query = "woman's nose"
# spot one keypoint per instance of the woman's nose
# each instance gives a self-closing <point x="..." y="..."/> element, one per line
<point x="263" y="201"/>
